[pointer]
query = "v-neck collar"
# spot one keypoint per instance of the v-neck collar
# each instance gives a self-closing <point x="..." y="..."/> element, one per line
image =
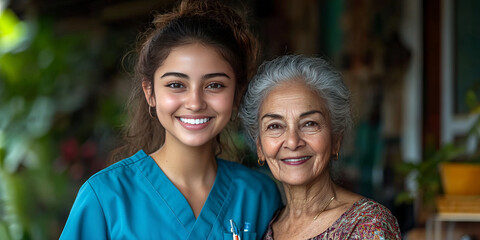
<point x="213" y="210"/>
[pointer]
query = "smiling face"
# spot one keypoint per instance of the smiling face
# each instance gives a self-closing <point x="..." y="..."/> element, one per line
<point x="295" y="136"/>
<point x="193" y="95"/>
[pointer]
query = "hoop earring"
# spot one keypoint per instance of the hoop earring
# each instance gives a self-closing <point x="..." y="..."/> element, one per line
<point x="336" y="156"/>
<point x="261" y="162"/>
<point x="234" y="116"/>
<point x="150" y="111"/>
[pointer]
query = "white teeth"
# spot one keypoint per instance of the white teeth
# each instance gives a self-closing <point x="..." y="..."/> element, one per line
<point x="296" y="159"/>
<point x="195" y="121"/>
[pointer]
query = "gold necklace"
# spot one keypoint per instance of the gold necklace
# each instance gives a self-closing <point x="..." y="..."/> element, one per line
<point x="315" y="218"/>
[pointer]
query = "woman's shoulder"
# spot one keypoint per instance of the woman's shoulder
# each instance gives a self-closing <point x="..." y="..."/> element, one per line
<point x="116" y="180"/>
<point x="240" y="171"/>
<point x="369" y="208"/>
<point x="372" y="218"/>
<point x="120" y="168"/>
<point x="245" y="176"/>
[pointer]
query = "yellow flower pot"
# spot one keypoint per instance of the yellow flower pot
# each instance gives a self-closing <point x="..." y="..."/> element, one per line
<point x="460" y="178"/>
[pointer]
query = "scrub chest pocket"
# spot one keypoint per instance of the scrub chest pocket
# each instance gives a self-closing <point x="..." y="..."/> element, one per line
<point x="243" y="236"/>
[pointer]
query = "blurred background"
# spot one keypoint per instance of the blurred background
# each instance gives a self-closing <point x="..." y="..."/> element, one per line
<point x="413" y="68"/>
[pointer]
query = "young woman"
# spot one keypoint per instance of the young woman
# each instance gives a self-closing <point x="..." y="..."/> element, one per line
<point x="191" y="71"/>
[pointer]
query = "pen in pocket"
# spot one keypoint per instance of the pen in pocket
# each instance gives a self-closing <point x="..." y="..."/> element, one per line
<point x="234" y="230"/>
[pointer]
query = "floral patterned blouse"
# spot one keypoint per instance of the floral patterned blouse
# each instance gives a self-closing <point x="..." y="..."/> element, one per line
<point x="366" y="219"/>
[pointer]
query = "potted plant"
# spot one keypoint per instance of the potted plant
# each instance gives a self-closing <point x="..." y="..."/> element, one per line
<point x="452" y="170"/>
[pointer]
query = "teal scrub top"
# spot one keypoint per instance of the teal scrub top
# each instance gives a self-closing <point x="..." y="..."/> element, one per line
<point x="134" y="199"/>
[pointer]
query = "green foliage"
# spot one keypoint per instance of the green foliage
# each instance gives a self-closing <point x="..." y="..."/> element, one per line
<point x="43" y="77"/>
<point x="12" y="31"/>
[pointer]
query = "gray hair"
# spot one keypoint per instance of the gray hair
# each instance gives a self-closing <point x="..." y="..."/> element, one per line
<point x="315" y="73"/>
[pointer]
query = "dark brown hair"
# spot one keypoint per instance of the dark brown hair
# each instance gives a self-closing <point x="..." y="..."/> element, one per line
<point x="194" y="21"/>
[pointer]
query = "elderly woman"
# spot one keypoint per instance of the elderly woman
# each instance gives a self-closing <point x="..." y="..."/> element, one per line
<point x="297" y="111"/>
